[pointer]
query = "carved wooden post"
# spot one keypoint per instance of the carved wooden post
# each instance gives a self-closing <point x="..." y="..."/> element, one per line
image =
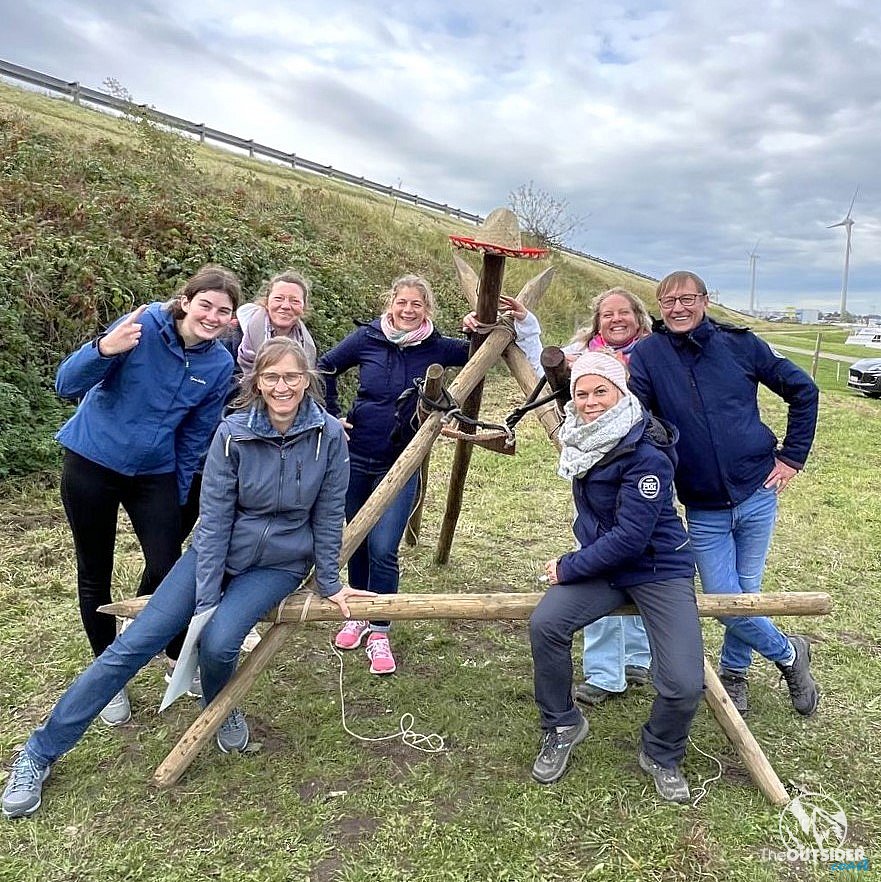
<point x="553" y="360"/>
<point x="487" y="309"/>
<point x="433" y="385"/>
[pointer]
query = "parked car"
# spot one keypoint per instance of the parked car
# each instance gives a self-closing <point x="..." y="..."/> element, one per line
<point x="865" y="375"/>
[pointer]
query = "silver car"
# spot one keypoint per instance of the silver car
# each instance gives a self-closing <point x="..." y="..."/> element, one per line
<point x="865" y="376"/>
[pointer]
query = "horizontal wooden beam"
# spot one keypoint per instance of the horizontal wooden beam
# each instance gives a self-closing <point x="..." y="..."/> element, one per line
<point x="510" y="605"/>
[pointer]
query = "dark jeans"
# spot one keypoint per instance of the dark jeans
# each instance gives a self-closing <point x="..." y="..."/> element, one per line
<point x="374" y="565"/>
<point x="92" y="495"/>
<point x="669" y="612"/>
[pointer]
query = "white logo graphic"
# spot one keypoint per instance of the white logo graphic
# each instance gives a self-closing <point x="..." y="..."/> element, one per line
<point x="814" y="821"/>
<point x="649" y="486"/>
<point x="198" y="380"/>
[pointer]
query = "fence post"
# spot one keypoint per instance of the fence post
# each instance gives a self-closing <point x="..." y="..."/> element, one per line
<point x="201" y="128"/>
<point x="250" y="143"/>
<point x="75" y="92"/>
<point x="293" y="160"/>
<point x="816" y="358"/>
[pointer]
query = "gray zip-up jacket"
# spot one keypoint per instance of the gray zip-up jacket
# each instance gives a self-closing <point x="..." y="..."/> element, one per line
<point x="272" y="501"/>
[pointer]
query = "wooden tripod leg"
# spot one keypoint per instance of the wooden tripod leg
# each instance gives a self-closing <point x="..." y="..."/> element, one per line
<point x="194" y="739"/>
<point x="743" y="740"/>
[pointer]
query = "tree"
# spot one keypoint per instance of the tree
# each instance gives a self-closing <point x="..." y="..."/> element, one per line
<point x="544" y="217"/>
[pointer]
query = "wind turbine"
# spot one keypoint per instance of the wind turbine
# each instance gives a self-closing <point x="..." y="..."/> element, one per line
<point x="753" y="257"/>
<point x="847" y="223"/>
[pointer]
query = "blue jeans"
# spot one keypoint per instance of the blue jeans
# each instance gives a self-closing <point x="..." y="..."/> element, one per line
<point x="731" y="546"/>
<point x="245" y="599"/>
<point x="374" y="565"/>
<point x="669" y="611"/>
<point x="610" y="644"/>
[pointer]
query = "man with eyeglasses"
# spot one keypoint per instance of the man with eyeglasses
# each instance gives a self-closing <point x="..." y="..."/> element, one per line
<point x="702" y="376"/>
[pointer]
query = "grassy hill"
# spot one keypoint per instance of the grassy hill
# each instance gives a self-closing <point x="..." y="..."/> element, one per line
<point x="99" y="213"/>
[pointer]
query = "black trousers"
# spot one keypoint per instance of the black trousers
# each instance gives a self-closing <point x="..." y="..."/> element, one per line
<point x="669" y="611"/>
<point x="92" y="495"/>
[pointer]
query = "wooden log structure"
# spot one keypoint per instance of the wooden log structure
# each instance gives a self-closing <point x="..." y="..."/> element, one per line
<point x="488" y="291"/>
<point x="300" y="608"/>
<point x="434" y="377"/>
<point x="728" y="717"/>
<point x="201" y="731"/>
<point x="553" y="360"/>
<point x="507" y="606"/>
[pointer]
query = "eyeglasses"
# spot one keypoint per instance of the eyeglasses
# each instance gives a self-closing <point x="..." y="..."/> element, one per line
<point x="292" y="378"/>
<point x="669" y="301"/>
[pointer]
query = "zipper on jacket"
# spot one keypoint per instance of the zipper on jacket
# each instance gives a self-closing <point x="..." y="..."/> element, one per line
<point x="299" y="475"/>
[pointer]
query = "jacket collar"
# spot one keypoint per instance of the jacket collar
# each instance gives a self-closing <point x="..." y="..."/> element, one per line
<point x="254" y="422"/>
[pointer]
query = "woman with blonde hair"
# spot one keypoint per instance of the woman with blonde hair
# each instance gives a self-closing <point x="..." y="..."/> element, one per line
<point x="277" y="312"/>
<point x="616" y="648"/>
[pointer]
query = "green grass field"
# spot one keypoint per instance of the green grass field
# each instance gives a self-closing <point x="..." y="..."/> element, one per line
<point x="313" y="803"/>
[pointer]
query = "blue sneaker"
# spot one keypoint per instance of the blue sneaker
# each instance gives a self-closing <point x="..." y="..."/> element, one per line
<point x="233" y="734"/>
<point x="24" y="790"/>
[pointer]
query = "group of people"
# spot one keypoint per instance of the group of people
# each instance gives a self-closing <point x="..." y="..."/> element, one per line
<point x="275" y="484"/>
<point x="282" y="471"/>
<point x="657" y="410"/>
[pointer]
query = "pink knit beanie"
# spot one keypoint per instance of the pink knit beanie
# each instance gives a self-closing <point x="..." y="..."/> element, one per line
<point x="601" y="365"/>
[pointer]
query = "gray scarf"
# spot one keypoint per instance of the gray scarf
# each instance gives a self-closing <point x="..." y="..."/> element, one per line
<point x="585" y="444"/>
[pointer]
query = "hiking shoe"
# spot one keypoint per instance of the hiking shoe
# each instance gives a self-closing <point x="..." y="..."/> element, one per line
<point x="194" y="690"/>
<point x="670" y="783"/>
<point x="23" y="793"/>
<point x="118" y="710"/>
<point x="556" y="747"/>
<point x="380" y="654"/>
<point x="587" y="693"/>
<point x="737" y="687"/>
<point x="803" y="690"/>
<point x="233" y="734"/>
<point x="636" y="675"/>
<point x="351" y="635"/>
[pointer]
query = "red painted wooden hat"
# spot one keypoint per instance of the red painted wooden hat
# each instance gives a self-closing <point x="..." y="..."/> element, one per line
<point x="500" y="235"/>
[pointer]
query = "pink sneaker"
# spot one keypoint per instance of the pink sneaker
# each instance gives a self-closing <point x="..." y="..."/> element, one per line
<point x="351" y="635"/>
<point x="380" y="654"/>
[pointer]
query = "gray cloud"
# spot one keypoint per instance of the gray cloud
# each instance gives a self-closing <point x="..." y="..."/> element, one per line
<point x="686" y="130"/>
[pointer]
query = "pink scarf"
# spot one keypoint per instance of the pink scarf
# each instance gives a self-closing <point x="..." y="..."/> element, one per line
<point x="623" y="351"/>
<point x="405" y="338"/>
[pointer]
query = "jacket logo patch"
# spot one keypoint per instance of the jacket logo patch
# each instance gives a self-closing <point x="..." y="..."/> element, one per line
<point x="649" y="486"/>
<point x="199" y="380"/>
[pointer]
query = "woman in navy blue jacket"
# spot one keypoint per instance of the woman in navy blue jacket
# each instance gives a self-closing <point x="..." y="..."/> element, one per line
<point x="272" y="507"/>
<point x="390" y="352"/>
<point x="150" y="392"/>
<point x="633" y="548"/>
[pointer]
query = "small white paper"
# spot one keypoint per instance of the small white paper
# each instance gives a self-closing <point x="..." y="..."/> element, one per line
<point x="188" y="661"/>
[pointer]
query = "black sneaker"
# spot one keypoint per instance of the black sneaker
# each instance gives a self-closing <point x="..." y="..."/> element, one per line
<point x="737" y="687"/>
<point x="556" y="746"/>
<point x="670" y="783"/>
<point x="587" y="693"/>
<point x="803" y="690"/>
<point x="636" y="675"/>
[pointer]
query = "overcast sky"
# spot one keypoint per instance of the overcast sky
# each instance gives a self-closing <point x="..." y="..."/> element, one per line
<point x="682" y="131"/>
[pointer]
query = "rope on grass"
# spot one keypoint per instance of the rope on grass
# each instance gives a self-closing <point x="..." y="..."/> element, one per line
<point x="432" y="743"/>
<point x="704" y="787"/>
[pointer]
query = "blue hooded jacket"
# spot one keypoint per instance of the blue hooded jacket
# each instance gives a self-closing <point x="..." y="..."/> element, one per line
<point x="272" y="501"/>
<point x="705" y="382"/>
<point x="626" y="524"/>
<point x="151" y="410"/>
<point x="380" y="427"/>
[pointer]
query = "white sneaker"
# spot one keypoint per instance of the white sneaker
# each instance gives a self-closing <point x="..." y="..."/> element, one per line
<point x="118" y="710"/>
